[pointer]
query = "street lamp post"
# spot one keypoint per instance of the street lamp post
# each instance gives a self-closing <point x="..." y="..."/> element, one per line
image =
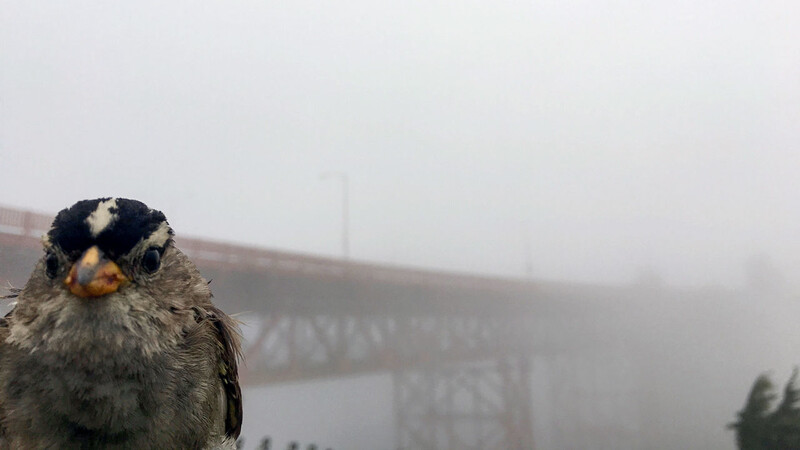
<point x="345" y="209"/>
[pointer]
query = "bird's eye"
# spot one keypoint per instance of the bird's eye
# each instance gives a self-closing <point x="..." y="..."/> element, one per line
<point x="51" y="265"/>
<point x="151" y="260"/>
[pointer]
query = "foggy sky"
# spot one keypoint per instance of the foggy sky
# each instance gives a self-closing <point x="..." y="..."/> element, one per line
<point x="611" y="136"/>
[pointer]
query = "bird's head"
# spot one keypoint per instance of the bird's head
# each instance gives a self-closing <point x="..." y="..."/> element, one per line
<point x="109" y="266"/>
<point x="95" y="247"/>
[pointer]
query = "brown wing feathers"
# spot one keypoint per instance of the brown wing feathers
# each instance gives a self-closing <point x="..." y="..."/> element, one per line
<point x="230" y="347"/>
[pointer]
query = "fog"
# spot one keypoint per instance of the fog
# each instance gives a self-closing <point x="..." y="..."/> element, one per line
<point x="582" y="141"/>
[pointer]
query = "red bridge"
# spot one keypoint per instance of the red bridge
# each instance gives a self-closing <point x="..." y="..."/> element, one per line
<point x="460" y="347"/>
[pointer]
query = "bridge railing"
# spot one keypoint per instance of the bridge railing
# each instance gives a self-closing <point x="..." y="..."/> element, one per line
<point x="236" y="257"/>
<point x="24" y="223"/>
<point x="240" y="257"/>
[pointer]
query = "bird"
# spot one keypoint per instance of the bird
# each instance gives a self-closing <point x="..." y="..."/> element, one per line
<point x="114" y="342"/>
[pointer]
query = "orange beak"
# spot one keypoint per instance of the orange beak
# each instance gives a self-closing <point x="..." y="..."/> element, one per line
<point x="94" y="275"/>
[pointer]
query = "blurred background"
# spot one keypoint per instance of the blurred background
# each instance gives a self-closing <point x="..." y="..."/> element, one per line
<point x="445" y="224"/>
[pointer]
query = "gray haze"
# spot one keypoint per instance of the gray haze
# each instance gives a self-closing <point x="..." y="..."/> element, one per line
<point x="614" y="136"/>
<point x="594" y="141"/>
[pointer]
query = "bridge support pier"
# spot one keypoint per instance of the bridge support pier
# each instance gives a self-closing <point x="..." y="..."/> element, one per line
<point x="483" y="405"/>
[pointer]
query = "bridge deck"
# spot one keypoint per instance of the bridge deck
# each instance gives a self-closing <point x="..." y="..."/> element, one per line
<point x="273" y="273"/>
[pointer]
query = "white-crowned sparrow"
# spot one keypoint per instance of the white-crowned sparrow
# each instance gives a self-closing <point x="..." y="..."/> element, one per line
<point x="114" y="341"/>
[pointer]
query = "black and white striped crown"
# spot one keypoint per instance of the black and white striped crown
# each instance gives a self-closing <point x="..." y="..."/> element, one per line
<point x="116" y="225"/>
